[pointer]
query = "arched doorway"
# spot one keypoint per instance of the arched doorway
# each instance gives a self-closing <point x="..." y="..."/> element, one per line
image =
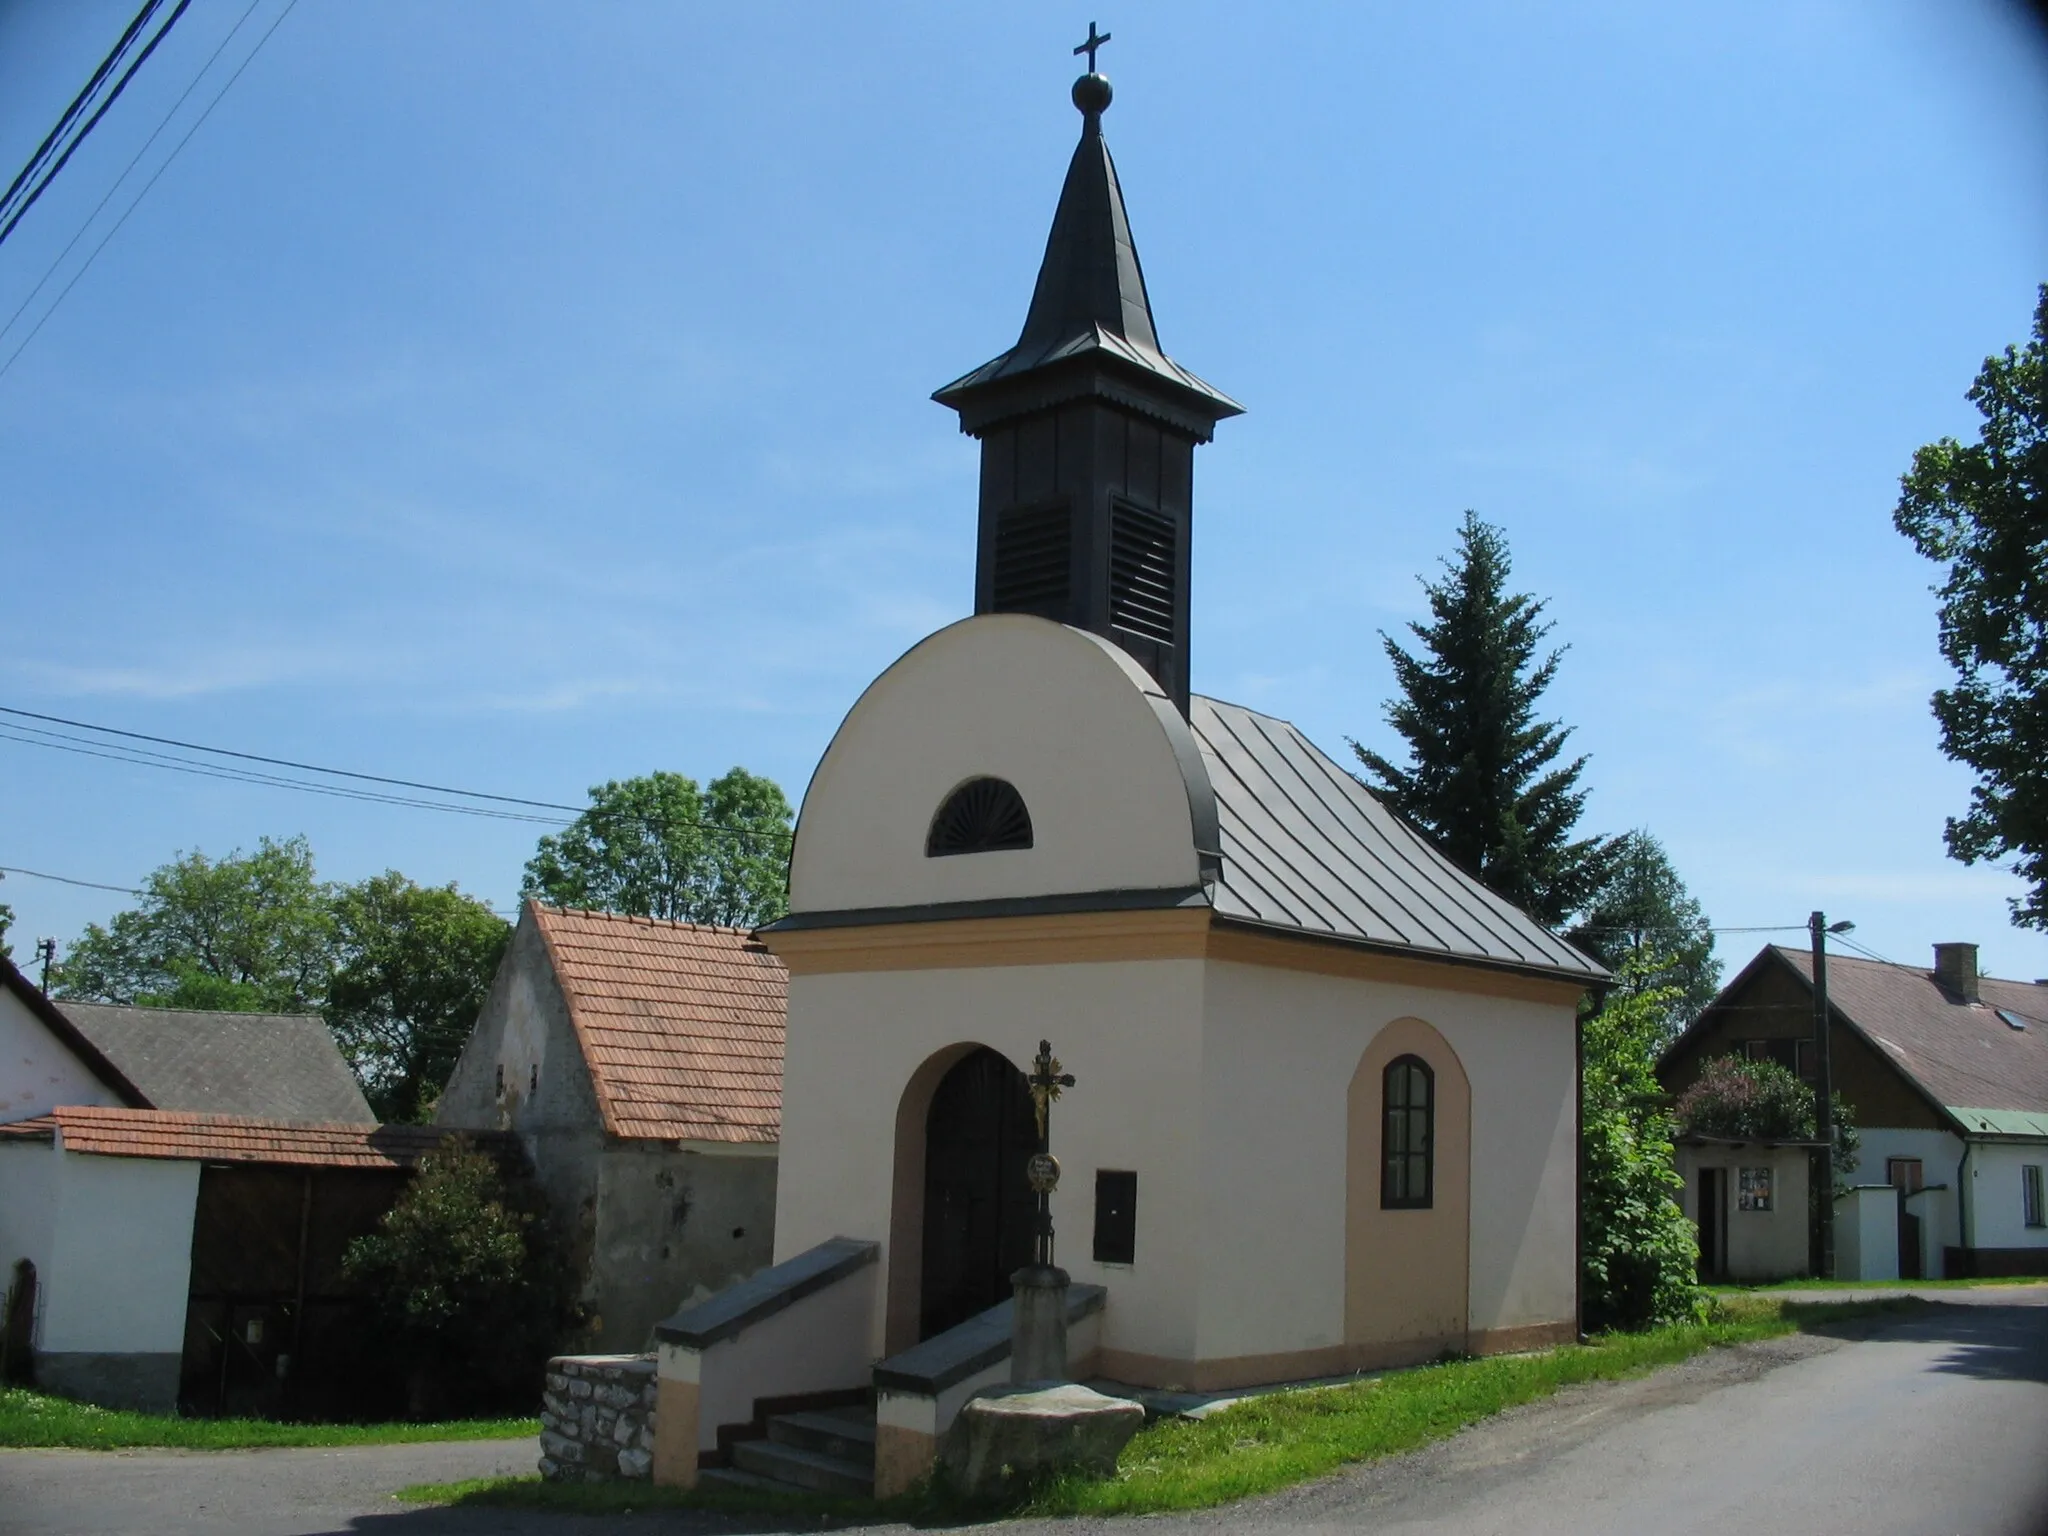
<point x="978" y="1135"/>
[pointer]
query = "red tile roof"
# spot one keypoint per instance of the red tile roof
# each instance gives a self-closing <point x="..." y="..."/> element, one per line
<point x="109" y="1132"/>
<point x="681" y="1025"/>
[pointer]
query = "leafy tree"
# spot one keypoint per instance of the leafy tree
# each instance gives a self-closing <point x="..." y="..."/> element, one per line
<point x="1764" y="1101"/>
<point x="1981" y="511"/>
<point x="1644" y="909"/>
<point x="248" y="931"/>
<point x="412" y="965"/>
<point x="1485" y="780"/>
<point x="1640" y="1253"/>
<point x="657" y="846"/>
<point x="468" y="1282"/>
<point x="6" y="922"/>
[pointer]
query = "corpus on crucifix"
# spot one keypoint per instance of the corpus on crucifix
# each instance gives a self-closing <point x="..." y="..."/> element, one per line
<point x="1045" y="1082"/>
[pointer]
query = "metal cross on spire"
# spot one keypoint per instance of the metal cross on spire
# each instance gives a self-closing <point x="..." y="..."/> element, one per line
<point x="1094" y="42"/>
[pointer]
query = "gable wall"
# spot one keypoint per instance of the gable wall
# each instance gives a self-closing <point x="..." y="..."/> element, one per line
<point x="37" y="1070"/>
<point x="1774" y="1004"/>
<point x="1130" y="1030"/>
<point x="548" y="1100"/>
<point x="1008" y="696"/>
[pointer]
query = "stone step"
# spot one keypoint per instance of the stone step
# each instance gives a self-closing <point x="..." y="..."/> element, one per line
<point x="733" y="1477"/>
<point x="805" y="1470"/>
<point x="844" y="1436"/>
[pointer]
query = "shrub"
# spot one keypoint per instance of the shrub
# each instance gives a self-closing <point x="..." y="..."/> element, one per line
<point x="468" y="1284"/>
<point x="1640" y="1253"/>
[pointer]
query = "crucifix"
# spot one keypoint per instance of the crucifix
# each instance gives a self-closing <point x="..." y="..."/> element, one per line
<point x="1043" y="1171"/>
<point x="1094" y="42"/>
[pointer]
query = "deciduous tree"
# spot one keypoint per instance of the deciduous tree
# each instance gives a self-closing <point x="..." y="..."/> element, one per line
<point x="1486" y="779"/>
<point x="412" y="965"/>
<point x="658" y="846"/>
<point x="250" y="931"/>
<point x="1981" y="512"/>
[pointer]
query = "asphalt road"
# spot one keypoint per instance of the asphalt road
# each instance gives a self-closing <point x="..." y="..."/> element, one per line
<point x="1937" y="1426"/>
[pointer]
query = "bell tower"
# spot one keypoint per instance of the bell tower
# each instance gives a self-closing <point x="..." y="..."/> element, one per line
<point x="1088" y="434"/>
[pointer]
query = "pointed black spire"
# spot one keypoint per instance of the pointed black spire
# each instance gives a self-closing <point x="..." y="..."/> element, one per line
<point x="1090" y="296"/>
<point x="1088" y="433"/>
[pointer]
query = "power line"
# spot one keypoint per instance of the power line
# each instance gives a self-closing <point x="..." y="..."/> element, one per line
<point x="777" y="838"/>
<point x="42" y="182"/>
<point x="86" y="265"/>
<point x="127" y="170"/>
<point x="285" y="762"/>
<point x="90" y="885"/>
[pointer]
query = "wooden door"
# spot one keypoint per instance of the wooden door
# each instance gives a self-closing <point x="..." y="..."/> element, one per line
<point x="1907" y="1175"/>
<point x="1711" y="1214"/>
<point x="978" y="1207"/>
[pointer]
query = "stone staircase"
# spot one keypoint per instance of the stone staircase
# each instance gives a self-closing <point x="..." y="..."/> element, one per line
<point x="824" y="1450"/>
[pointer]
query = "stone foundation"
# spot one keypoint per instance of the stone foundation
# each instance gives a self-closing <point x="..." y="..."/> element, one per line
<point x="597" y="1419"/>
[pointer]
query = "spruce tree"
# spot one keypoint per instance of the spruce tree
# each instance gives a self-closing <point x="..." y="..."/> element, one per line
<point x="1485" y="781"/>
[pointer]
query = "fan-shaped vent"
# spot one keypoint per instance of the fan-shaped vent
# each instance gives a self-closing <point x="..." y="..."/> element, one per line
<point x="981" y="816"/>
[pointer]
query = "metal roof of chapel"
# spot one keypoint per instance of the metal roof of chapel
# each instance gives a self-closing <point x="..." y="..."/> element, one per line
<point x="1308" y="849"/>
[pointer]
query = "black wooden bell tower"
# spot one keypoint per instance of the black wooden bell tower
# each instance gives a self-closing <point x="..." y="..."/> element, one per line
<point x="1088" y="435"/>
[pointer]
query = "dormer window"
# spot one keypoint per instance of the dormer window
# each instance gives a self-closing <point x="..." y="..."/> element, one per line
<point x="981" y="816"/>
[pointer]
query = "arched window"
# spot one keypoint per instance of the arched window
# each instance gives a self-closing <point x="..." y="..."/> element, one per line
<point x="981" y="816"/>
<point x="1408" y="1135"/>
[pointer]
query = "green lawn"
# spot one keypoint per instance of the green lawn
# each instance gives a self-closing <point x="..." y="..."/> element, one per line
<point x="1795" y="1286"/>
<point x="32" y="1419"/>
<point x="1263" y="1443"/>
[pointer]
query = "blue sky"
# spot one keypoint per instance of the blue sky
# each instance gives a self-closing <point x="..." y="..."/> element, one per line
<point x="517" y="396"/>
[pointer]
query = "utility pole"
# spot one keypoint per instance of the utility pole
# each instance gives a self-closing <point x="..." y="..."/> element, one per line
<point x="1824" y="1088"/>
<point x="46" y="951"/>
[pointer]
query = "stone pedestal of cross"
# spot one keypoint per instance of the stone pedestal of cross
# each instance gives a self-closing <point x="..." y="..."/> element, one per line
<point x="1038" y="1336"/>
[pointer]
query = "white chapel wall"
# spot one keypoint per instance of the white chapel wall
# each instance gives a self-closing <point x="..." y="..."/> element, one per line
<point x="1129" y="1030"/>
<point x="1279" y="1050"/>
<point x="1007" y="696"/>
<point x="28" y="1206"/>
<point x="37" y="1070"/>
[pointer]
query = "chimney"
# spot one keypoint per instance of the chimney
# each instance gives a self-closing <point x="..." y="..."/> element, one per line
<point x="1955" y="967"/>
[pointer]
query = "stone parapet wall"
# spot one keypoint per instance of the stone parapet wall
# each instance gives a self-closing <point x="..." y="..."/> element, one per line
<point x="597" y="1419"/>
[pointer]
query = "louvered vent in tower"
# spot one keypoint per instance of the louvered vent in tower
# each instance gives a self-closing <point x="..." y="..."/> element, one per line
<point x="1141" y="571"/>
<point x="981" y="816"/>
<point x="1034" y="548"/>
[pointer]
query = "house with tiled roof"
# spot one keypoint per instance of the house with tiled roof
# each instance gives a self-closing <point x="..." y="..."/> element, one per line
<point x="639" y="1064"/>
<point x="1946" y="1074"/>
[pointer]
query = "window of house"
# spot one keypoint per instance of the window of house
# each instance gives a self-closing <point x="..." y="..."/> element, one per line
<point x="1116" y="1216"/>
<point x="2030" y="1195"/>
<point x="1408" y="1134"/>
<point x="1802" y="1058"/>
<point x="1905" y="1173"/>
<point x="1753" y="1189"/>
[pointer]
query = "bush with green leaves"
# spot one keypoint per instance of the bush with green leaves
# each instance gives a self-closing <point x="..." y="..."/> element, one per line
<point x="468" y="1283"/>
<point x="1640" y="1255"/>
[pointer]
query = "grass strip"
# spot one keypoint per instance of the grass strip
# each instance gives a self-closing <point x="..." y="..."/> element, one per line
<point x="1793" y="1287"/>
<point x="1257" y="1446"/>
<point x="34" y="1419"/>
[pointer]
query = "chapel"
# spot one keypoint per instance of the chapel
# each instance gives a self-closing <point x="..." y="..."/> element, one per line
<point x="1324" y="1110"/>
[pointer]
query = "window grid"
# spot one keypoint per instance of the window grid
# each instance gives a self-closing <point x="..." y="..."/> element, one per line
<point x="1408" y="1135"/>
<point x="2030" y="1186"/>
